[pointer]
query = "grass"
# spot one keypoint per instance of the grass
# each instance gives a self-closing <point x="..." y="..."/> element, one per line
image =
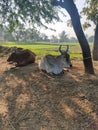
<point x="43" y="48"/>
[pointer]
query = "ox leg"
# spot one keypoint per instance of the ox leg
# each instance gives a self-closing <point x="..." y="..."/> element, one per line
<point x="17" y="65"/>
<point x="61" y="73"/>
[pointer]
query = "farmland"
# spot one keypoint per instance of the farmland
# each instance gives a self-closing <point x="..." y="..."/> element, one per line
<point x="45" y="48"/>
<point x="42" y="48"/>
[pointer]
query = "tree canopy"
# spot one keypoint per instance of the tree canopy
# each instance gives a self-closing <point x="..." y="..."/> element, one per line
<point x="17" y="13"/>
<point x="91" y="10"/>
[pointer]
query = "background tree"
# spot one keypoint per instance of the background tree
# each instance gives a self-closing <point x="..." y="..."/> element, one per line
<point x="75" y="18"/>
<point x="73" y="40"/>
<point x="91" y="11"/>
<point x="91" y="39"/>
<point x="7" y="36"/>
<point x="63" y="37"/>
<point x="54" y="39"/>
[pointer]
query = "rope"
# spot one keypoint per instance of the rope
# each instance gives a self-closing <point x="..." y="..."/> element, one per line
<point x="86" y="58"/>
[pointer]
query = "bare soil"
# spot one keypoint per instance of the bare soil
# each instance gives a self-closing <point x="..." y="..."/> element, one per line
<point x="32" y="100"/>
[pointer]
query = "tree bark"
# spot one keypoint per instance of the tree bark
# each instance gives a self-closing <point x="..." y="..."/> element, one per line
<point x="73" y="12"/>
<point x="95" y="47"/>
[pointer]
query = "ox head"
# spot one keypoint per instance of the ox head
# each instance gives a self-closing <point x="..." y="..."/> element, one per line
<point x="12" y="57"/>
<point x="65" y="56"/>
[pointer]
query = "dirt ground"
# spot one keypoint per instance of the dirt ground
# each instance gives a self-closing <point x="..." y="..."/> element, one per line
<point x="33" y="100"/>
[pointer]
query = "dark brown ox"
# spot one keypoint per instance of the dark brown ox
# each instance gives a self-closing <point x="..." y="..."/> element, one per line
<point x="22" y="58"/>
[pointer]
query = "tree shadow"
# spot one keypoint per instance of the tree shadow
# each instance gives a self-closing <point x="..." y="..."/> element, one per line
<point x="38" y="101"/>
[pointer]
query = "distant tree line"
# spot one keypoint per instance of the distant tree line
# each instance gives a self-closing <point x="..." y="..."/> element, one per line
<point x="30" y="35"/>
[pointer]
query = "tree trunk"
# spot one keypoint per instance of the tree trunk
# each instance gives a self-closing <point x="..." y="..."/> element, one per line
<point x="73" y="12"/>
<point x="87" y="60"/>
<point x="95" y="47"/>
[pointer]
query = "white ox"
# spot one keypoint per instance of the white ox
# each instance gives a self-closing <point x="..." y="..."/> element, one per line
<point x="55" y="64"/>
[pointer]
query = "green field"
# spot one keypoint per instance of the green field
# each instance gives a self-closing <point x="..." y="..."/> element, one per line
<point x="43" y="48"/>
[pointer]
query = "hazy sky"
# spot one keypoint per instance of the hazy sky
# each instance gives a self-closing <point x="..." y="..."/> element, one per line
<point x="62" y="26"/>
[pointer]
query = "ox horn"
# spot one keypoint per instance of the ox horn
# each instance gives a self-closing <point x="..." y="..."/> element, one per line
<point x="60" y="49"/>
<point x="67" y="48"/>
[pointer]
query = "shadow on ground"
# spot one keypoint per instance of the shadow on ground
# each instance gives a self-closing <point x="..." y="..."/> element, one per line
<point x="33" y="100"/>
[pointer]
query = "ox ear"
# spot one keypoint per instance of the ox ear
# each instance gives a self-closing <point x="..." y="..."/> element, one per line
<point x="14" y="51"/>
<point x="67" y="49"/>
<point x="60" y="49"/>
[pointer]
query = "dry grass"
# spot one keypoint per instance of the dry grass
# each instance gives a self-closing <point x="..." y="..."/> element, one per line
<point x="33" y="100"/>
